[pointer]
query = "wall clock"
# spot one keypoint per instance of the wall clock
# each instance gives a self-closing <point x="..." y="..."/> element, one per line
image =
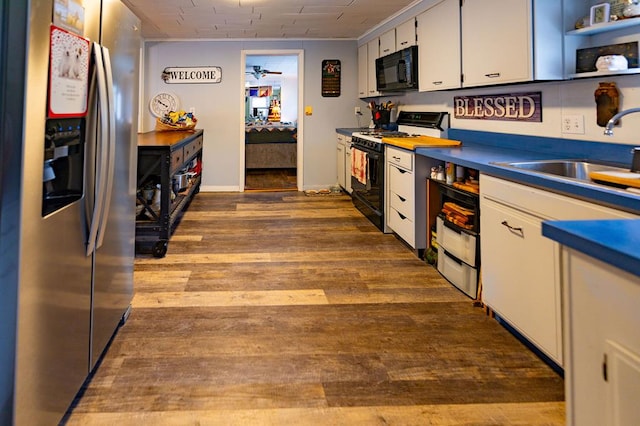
<point x="162" y="103"/>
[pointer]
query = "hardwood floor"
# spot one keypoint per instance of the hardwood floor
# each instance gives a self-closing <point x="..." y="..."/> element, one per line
<point x="286" y="309"/>
<point x="271" y="179"/>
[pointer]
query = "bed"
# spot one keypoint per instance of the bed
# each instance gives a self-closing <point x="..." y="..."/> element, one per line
<point x="270" y="146"/>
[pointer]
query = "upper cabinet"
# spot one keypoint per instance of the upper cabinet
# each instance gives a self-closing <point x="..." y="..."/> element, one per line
<point x="604" y="38"/>
<point x="362" y="71"/>
<point x="367" y="55"/>
<point x="508" y="41"/>
<point x="406" y="34"/>
<point x="388" y="42"/>
<point x="439" y="47"/>
<point x="373" y="53"/>
<point x="391" y="41"/>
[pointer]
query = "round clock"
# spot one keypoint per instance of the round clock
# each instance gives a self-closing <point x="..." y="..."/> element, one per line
<point x="162" y="103"/>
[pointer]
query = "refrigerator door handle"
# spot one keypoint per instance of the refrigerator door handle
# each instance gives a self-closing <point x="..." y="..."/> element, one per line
<point x="101" y="151"/>
<point x="111" y="146"/>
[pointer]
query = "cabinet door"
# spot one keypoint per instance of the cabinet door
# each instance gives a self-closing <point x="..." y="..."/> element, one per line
<point x="373" y="53"/>
<point x="388" y="42"/>
<point x="347" y="165"/>
<point x="496" y="41"/>
<point x="340" y="161"/>
<point x="439" y="47"/>
<point x="519" y="275"/>
<point x="362" y="71"/>
<point x="406" y="34"/>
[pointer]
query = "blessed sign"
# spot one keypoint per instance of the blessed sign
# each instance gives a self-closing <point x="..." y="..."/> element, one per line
<point x="192" y="75"/>
<point x="506" y="107"/>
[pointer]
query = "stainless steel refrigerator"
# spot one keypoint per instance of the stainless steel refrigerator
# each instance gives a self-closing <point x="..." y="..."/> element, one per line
<point x="77" y="200"/>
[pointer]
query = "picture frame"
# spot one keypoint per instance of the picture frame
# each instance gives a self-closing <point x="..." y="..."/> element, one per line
<point x="600" y="13"/>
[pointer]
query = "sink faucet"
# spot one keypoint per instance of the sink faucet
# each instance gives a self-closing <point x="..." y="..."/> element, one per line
<point x="608" y="130"/>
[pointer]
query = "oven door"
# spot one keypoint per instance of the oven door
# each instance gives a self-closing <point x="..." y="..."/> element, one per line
<point x="371" y="192"/>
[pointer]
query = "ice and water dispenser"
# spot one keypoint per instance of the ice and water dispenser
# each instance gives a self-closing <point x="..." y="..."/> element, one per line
<point x="63" y="173"/>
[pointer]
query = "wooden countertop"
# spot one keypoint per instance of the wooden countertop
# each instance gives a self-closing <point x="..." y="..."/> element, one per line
<point x="412" y="143"/>
<point x="155" y="138"/>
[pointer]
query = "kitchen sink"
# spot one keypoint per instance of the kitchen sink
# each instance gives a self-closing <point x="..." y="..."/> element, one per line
<point x="574" y="169"/>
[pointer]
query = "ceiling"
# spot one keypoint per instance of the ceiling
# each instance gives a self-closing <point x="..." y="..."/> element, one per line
<point x="262" y="19"/>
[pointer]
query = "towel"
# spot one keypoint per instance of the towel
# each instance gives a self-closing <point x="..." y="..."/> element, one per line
<point x="359" y="165"/>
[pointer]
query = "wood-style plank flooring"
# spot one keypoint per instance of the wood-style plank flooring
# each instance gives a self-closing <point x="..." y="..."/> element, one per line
<point x="271" y="179"/>
<point x="286" y="309"/>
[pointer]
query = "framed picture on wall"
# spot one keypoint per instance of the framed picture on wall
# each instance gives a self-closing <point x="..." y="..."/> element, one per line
<point x="600" y="13"/>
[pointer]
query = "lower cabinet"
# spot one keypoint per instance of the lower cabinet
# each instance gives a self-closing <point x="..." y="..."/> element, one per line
<point x="521" y="268"/>
<point x="405" y="192"/>
<point x="602" y="377"/>
<point x="343" y="161"/>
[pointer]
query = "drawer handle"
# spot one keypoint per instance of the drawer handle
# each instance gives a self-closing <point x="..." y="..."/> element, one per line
<point x="403" y="217"/>
<point x="395" y="158"/>
<point x="401" y="198"/>
<point x="493" y="75"/>
<point x="402" y="43"/>
<point x="437" y="83"/>
<point x="514" y="229"/>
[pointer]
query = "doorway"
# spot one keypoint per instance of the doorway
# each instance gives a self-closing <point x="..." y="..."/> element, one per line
<point x="271" y="142"/>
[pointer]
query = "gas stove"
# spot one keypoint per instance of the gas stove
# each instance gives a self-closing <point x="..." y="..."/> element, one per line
<point x="410" y="124"/>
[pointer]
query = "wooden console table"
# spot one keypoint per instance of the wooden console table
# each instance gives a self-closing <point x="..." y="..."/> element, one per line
<point x="162" y="156"/>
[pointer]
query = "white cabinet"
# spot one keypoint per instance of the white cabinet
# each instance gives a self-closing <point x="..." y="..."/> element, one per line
<point x="373" y="53"/>
<point x="343" y="161"/>
<point x="388" y="42"/>
<point x="521" y="268"/>
<point x="406" y="34"/>
<point x="405" y="210"/>
<point x="507" y="41"/>
<point x="362" y="71"/>
<point x="439" y="47"/>
<point x="602" y="324"/>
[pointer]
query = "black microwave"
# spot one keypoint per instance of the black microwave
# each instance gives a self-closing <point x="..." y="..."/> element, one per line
<point x="398" y="71"/>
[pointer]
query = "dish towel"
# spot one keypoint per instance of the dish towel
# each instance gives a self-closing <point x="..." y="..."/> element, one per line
<point x="359" y="165"/>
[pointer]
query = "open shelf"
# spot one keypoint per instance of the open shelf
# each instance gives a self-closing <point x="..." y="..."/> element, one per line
<point x="605" y="73"/>
<point x="605" y="27"/>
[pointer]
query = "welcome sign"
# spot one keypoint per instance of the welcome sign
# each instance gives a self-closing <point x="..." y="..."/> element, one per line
<point x="525" y="106"/>
<point x="172" y="75"/>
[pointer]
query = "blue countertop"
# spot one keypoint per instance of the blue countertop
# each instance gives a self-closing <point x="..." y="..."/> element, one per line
<point x="480" y="150"/>
<point x="348" y="131"/>
<point x="615" y="241"/>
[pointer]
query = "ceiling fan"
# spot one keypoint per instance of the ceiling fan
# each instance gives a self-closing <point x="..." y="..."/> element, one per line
<point x="258" y="72"/>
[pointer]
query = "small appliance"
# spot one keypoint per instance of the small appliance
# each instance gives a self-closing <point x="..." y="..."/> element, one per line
<point x="398" y="71"/>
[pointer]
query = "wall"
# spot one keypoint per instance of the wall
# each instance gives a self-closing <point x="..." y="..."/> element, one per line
<point x="219" y="107"/>
<point x="558" y="98"/>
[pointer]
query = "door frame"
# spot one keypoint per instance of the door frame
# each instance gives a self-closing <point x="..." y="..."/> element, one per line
<point x="300" y="131"/>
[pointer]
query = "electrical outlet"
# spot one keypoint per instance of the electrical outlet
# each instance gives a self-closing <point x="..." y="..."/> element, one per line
<point x="357" y="111"/>
<point x="573" y="124"/>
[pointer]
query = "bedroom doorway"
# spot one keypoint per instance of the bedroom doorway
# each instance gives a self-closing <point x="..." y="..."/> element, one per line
<point x="271" y="145"/>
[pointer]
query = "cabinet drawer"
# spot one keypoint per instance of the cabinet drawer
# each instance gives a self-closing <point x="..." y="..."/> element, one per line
<point x="400" y="158"/>
<point x="459" y="273"/>
<point x="401" y="182"/>
<point x="177" y="159"/>
<point x="459" y="243"/>
<point x="403" y="226"/>
<point x="192" y="148"/>
<point x="404" y="206"/>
